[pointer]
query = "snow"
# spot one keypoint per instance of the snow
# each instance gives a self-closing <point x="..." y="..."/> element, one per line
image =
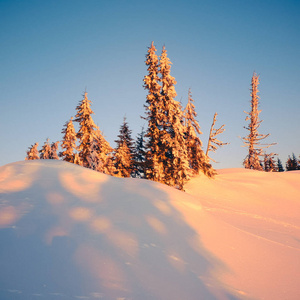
<point x="68" y="232"/>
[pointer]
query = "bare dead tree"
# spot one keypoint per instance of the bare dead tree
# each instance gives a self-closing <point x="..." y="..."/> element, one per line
<point x="252" y="140"/>
<point x="213" y="142"/>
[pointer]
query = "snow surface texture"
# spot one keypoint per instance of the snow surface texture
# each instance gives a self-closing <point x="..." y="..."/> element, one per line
<point x="68" y="232"/>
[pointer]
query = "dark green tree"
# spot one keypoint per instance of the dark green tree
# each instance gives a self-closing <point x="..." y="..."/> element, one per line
<point x="279" y="165"/>
<point x="292" y="163"/>
<point x="124" y="152"/>
<point x="139" y="157"/>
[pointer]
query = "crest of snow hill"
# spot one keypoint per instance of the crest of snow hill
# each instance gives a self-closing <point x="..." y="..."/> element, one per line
<point x="68" y="232"/>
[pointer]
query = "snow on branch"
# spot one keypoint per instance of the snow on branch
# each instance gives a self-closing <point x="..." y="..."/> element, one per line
<point x="213" y="142"/>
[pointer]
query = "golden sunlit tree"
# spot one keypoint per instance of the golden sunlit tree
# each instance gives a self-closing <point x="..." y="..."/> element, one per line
<point x="69" y="142"/>
<point x="213" y="142"/>
<point x="252" y="140"/>
<point x="198" y="160"/>
<point x="33" y="152"/>
<point x="153" y="166"/>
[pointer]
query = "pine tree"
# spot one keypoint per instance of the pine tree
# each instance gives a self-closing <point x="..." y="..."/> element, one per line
<point x="252" y="141"/>
<point x="45" y="152"/>
<point x="93" y="159"/>
<point x="139" y="157"/>
<point x="213" y="142"/>
<point x="124" y="151"/>
<point x="198" y="160"/>
<point x="173" y="150"/>
<point x="102" y="153"/>
<point x="54" y="148"/>
<point x="123" y="161"/>
<point x="279" y="165"/>
<point x="33" y="152"/>
<point x="87" y="129"/>
<point x="292" y="163"/>
<point x="68" y="142"/>
<point x="154" y="165"/>
<point x="269" y="163"/>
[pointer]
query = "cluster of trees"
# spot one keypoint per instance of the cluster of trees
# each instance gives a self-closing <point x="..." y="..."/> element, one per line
<point x="169" y="150"/>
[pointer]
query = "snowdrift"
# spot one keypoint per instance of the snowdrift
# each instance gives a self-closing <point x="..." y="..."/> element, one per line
<point x="68" y="232"/>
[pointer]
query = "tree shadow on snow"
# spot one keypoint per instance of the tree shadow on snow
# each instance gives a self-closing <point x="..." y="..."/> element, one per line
<point x="87" y="235"/>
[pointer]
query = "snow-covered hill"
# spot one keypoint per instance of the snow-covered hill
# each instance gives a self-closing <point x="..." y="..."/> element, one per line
<point x="67" y="232"/>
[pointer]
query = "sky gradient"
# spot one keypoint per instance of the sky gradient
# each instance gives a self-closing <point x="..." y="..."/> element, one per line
<point x="53" y="50"/>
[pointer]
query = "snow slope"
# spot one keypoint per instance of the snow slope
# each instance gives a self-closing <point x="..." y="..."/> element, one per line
<point x="68" y="232"/>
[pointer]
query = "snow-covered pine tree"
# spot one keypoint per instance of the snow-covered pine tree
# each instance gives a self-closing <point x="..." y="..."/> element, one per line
<point x="252" y="140"/>
<point x="198" y="160"/>
<point x="45" y="152"/>
<point x="68" y="142"/>
<point x="173" y="148"/>
<point x="213" y="142"/>
<point x="139" y="157"/>
<point x="279" y="165"/>
<point x="93" y="159"/>
<point x="103" y="154"/>
<point x="269" y="163"/>
<point x="54" y="148"/>
<point x="292" y="163"/>
<point x="125" y="146"/>
<point x="33" y="152"/>
<point x="122" y="160"/>
<point x="154" y="165"/>
<point x="87" y="129"/>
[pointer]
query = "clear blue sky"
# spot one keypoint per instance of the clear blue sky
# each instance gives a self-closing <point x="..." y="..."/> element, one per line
<point x="52" y="50"/>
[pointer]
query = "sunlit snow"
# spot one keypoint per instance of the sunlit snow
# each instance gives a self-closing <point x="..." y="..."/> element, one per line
<point x="68" y="232"/>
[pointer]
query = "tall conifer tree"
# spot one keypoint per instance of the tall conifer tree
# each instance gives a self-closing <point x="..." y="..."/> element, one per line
<point x="154" y="165"/>
<point x="198" y="160"/>
<point x="139" y="157"/>
<point x="173" y="146"/>
<point x="279" y="165"/>
<point x="68" y="142"/>
<point x="87" y="129"/>
<point x="124" y="151"/>
<point x="252" y="140"/>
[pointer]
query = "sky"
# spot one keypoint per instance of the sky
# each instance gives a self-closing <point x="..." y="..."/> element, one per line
<point x="52" y="51"/>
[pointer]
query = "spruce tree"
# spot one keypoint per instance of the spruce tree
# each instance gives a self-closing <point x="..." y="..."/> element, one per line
<point x="102" y="154"/>
<point x="68" y="142"/>
<point x="279" y="165"/>
<point x="122" y="161"/>
<point x="124" y="151"/>
<point x="252" y="140"/>
<point x="154" y="165"/>
<point x="269" y="163"/>
<point x="139" y="157"/>
<point x="292" y="163"/>
<point x="173" y="150"/>
<point x="33" y="152"/>
<point x="45" y="152"/>
<point x="54" y="148"/>
<point x="87" y="129"/>
<point x="198" y="160"/>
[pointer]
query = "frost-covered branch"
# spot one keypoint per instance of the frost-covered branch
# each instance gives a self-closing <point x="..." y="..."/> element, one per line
<point x="213" y="142"/>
